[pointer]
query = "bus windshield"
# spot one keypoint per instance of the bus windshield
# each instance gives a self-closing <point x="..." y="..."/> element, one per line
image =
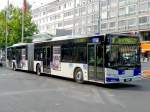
<point x="123" y="52"/>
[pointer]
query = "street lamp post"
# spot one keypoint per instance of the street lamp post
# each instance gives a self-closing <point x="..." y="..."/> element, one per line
<point x="99" y="6"/>
<point x="6" y="31"/>
<point x="22" y="21"/>
<point x="74" y="12"/>
<point x="6" y="36"/>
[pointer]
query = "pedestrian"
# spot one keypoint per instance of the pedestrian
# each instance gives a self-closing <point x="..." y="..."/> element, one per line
<point x="146" y="56"/>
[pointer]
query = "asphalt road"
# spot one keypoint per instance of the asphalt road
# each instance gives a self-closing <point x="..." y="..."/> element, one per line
<point x="26" y="92"/>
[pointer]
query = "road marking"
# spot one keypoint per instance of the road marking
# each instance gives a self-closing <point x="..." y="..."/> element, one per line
<point x="97" y="96"/>
<point x="112" y="98"/>
<point x="25" y="92"/>
<point x="4" y="74"/>
<point x="91" y="96"/>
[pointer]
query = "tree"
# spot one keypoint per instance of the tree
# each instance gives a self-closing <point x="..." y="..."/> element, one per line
<point x="2" y="29"/>
<point x="14" y="25"/>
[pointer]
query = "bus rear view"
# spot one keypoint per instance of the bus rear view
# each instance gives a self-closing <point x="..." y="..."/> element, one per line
<point x="122" y="58"/>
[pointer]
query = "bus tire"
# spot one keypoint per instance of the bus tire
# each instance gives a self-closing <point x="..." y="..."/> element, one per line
<point x="38" y="69"/>
<point x="14" y="67"/>
<point x="78" y="76"/>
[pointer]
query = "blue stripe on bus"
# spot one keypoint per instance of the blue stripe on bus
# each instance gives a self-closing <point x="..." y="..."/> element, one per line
<point x="137" y="71"/>
<point x="121" y="72"/>
<point x="111" y="79"/>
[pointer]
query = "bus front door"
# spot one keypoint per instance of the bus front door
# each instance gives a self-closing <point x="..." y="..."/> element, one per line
<point x="95" y="62"/>
<point x="46" y="60"/>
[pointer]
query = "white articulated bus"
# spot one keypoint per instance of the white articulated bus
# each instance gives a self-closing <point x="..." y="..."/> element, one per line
<point x="110" y="58"/>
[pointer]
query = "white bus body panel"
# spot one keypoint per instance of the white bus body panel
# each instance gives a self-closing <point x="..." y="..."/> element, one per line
<point x="67" y="70"/>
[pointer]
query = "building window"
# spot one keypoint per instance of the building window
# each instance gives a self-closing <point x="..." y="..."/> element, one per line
<point x="143" y="20"/>
<point x="96" y="7"/>
<point x="112" y="24"/>
<point x="132" y="9"/>
<point x="122" y="2"/>
<point x="143" y="0"/>
<point x="132" y="22"/>
<point x="69" y="4"/>
<point x="89" y="1"/>
<point x="132" y="1"/>
<point x="113" y="2"/>
<point x="59" y="7"/>
<point x="122" y="23"/>
<point x="83" y="2"/>
<point x="104" y="15"/>
<point x="143" y="7"/>
<point x="59" y="24"/>
<point x="103" y="26"/>
<point x="104" y="3"/>
<point x="50" y="18"/>
<point x="149" y="4"/>
<point x="89" y="19"/>
<point x="89" y="9"/>
<point x="65" y="5"/>
<point x="44" y="13"/>
<point x="89" y="29"/>
<point x="82" y="10"/>
<point x="122" y="11"/>
<point x="68" y="22"/>
<point x="112" y="13"/>
<point x="69" y="13"/>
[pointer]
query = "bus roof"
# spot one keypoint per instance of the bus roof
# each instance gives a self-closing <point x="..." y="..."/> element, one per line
<point x="41" y="38"/>
<point x="19" y="44"/>
<point x="68" y="37"/>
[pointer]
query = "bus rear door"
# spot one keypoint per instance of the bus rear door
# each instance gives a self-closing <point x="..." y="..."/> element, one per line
<point x="46" y="59"/>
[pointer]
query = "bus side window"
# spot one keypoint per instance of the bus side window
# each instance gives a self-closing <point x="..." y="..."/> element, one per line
<point x="38" y="54"/>
<point x="79" y="54"/>
<point x="66" y="54"/>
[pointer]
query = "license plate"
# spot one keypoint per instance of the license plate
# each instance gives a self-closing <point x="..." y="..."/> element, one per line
<point x="127" y="80"/>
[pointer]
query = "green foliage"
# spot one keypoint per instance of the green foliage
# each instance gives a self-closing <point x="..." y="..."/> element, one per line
<point x="2" y="28"/>
<point x="14" y="25"/>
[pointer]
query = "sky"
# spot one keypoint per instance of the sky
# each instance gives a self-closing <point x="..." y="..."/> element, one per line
<point x="3" y="3"/>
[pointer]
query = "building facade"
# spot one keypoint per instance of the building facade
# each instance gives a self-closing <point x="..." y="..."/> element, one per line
<point x="90" y="17"/>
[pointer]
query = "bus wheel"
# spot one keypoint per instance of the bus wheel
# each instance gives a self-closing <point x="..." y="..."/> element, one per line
<point x="78" y="76"/>
<point x="38" y="70"/>
<point x="14" y="67"/>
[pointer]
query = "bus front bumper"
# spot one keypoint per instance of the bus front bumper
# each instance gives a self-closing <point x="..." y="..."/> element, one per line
<point x="121" y="80"/>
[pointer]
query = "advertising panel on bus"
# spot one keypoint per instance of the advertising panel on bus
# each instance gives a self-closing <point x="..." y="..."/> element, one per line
<point x="56" y="65"/>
